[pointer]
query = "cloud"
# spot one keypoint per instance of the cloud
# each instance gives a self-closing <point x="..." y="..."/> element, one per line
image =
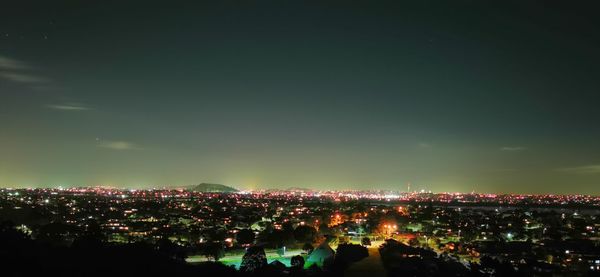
<point x="19" y="72"/>
<point x="118" y="145"/>
<point x="12" y="64"/>
<point x="22" y="78"/>
<point x="69" y="107"/>
<point x="513" y="148"/>
<point x="424" y="145"/>
<point x="586" y="169"/>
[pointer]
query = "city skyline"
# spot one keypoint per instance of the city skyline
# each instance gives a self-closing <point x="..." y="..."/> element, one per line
<point x="454" y="97"/>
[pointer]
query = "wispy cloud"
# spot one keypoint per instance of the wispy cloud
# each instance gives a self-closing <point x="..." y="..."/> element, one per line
<point x="118" y="145"/>
<point x="22" y="78"/>
<point x="513" y="148"/>
<point x="19" y="72"/>
<point x="586" y="169"/>
<point x="69" y="107"/>
<point x="424" y="145"/>
<point x="12" y="64"/>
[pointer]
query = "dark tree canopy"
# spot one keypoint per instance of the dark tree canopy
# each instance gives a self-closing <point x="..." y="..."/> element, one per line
<point x="308" y="247"/>
<point x="305" y="233"/>
<point x="245" y="236"/>
<point x="366" y="241"/>
<point x="297" y="261"/>
<point x="254" y="259"/>
<point x="212" y="250"/>
<point x="351" y="253"/>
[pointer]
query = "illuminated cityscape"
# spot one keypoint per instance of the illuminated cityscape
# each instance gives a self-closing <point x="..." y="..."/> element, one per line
<point x="469" y="234"/>
<point x="299" y="138"/>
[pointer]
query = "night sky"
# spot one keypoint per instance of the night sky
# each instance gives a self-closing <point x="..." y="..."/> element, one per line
<point x="491" y="96"/>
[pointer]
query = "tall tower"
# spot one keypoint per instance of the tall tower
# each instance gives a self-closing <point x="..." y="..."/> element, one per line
<point x="408" y="187"/>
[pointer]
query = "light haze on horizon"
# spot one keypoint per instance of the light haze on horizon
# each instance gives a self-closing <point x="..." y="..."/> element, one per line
<point x="451" y="97"/>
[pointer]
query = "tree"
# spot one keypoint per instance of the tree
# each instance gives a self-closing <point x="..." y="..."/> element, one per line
<point x="308" y="247"/>
<point x="264" y="236"/>
<point x="254" y="259"/>
<point x="171" y="250"/>
<point x="279" y="238"/>
<point x="305" y="233"/>
<point x="245" y="236"/>
<point x="55" y="233"/>
<point x="93" y="231"/>
<point x="366" y="241"/>
<point x="212" y="250"/>
<point x="215" y="234"/>
<point x="297" y="262"/>
<point x="324" y="230"/>
<point x="413" y="242"/>
<point x="10" y="235"/>
<point x="287" y="227"/>
<point x="351" y="253"/>
<point x="194" y="235"/>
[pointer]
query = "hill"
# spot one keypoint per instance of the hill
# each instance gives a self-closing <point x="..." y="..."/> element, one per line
<point x="207" y="187"/>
